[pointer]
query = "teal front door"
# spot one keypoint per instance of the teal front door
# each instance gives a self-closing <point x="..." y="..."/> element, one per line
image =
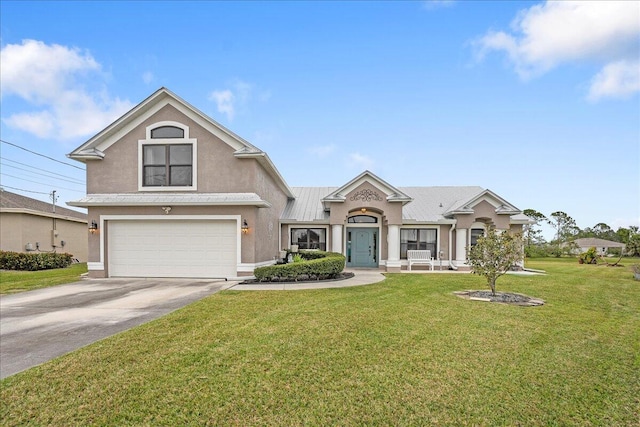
<point x="362" y="247"/>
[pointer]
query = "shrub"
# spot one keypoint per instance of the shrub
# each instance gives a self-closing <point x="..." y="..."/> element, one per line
<point x="589" y="257"/>
<point x="34" y="261"/>
<point x="317" y="265"/>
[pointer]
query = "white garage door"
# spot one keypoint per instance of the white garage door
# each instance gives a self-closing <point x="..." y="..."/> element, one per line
<point x="175" y="248"/>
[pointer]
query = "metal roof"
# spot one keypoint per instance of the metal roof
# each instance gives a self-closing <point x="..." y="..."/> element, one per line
<point x="159" y="199"/>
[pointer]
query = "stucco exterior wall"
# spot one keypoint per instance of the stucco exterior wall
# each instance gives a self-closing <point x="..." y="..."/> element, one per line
<point x="217" y="168"/>
<point x="483" y="212"/>
<point x="355" y="200"/>
<point x="18" y="229"/>
<point x="266" y="230"/>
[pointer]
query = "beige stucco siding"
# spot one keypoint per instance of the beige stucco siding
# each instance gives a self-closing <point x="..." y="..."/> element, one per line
<point x="19" y="229"/>
<point x="266" y="230"/>
<point x="484" y="212"/>
<point x="217" y="168"/>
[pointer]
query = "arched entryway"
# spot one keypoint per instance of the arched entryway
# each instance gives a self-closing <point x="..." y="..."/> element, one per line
<point x="362" y="240"/>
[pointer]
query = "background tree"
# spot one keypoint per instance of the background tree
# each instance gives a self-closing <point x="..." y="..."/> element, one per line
<point x="532" y="234"/>
<point x="495" y="254"/>
<point x="633" y="243"/>
<point x="565" y="226"/>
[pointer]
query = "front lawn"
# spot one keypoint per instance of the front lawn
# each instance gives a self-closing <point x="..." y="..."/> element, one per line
<point x="404" y="351"/>
<point x="19" y="281"/>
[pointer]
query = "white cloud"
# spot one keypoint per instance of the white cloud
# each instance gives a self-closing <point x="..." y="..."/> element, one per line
<point x="148" y="77"/>
<point x="234" y="99"/>
<point x="322" y="151"/>
<point x="619" y="79"/>
<point x="224" y="100"/>
<point x="361" y="161"/>
<point x="557" y="32"/>
<point x="54" y="79"/>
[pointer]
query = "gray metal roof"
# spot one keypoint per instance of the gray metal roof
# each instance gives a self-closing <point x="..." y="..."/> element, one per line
<point x="307" y="206"/>
<point x="159" y="199"/>
<point x="428" y="205"/>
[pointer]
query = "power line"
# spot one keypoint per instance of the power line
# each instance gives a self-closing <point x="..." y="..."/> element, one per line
<point x="41" y="183"/>
<point x="72" y="181"/>
<point x="40" y="169"/>
<point x="41" y="155"/>
<point x="22" y="189"/>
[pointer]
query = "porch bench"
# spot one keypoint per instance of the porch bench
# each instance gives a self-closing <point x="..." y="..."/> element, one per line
<point x="420" y="257"/>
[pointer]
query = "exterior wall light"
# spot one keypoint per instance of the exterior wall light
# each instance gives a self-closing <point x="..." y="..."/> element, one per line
<point x="93" y="227"/>
<point x="245" y="227"/>
<point x="363" y="210"/>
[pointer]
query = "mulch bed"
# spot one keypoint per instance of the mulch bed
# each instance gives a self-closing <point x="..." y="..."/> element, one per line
<point x="501" y="297"/>
<point x="341" y="276"/>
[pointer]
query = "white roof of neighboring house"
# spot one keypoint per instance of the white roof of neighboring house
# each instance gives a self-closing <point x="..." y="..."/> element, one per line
<point x="430" y="204"/>
<point x="158" y="199"/>
<point x="597" y="243"/>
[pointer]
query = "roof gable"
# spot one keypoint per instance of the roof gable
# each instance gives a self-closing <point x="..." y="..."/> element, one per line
<point x="94" y="148"/>
<point x="394" y="194"/>
<point x="147" y="108"/>
<point x="502" y="207"/>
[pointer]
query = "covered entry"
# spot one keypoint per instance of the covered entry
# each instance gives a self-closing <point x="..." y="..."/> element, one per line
<point x="362" y="247"/>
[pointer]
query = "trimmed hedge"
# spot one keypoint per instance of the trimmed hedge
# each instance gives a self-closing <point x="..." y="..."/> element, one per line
<point x="34" y="261"/>
<point x="318" y="265"/>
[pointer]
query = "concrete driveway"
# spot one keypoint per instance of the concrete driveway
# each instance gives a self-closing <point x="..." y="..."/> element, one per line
<point x="40" y="325"/>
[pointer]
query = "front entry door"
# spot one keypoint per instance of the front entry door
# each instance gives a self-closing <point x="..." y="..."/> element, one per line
<point x="362" y="247"/>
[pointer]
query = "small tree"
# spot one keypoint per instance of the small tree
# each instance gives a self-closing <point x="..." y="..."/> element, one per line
<point x="495" y="254"/>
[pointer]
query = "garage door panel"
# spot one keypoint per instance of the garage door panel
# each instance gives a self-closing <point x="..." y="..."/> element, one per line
<point x="175" y="248"/>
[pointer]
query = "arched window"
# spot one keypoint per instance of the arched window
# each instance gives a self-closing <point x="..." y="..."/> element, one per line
<point x="167" y="158"/>
<point x="362" y="219"/>
<point x="167" y="132"/>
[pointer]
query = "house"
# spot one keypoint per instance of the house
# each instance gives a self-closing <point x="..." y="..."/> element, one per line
<point x="30" y="225"/>
<point x="175" y="194"/>
<point x="601" y="245"/>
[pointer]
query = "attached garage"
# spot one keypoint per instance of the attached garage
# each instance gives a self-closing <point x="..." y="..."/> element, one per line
<point x="172" y="248"/>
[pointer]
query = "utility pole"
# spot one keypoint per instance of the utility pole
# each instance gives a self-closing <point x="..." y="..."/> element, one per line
<point x="54" y="199"/>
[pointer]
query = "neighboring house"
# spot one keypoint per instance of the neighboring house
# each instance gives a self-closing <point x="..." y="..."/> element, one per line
<point x="601" y="245"/>
<point x="29" y="225"/>
<point x="175" y="194"/>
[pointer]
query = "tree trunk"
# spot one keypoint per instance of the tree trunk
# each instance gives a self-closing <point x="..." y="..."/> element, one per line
<point x="492" y="285"/>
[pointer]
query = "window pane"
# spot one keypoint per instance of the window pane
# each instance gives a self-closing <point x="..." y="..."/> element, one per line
<point x="154" y="155"/>
<point x="180" y="154"/>
<point x="421" y="239"/>
<point x="167" y="132"/>
<point x="180" y="175"/>
<point x="155" y="176"/>
<point x="359" y="219"/>
<point x="299" y="237"/>
<point x="475" y="233"/>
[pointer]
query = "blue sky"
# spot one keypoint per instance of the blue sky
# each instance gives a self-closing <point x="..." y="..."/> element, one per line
<point x="536" y="101"/>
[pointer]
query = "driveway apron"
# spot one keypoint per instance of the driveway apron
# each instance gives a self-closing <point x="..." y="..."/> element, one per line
<point x="40" y="325"/>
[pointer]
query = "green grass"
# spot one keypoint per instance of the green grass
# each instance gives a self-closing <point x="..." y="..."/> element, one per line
<point x="19" y="281"/>
<point x="401" y="352"/>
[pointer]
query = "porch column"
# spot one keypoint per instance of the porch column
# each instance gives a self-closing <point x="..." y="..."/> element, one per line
<point x="461" y="245"/>
<point x="336" y="238"/>
<point x="393" y="248"/>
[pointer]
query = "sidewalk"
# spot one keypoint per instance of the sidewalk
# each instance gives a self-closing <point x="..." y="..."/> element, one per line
<point x="361" y="277"/>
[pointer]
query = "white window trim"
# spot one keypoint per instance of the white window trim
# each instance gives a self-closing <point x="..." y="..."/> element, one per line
<point x="169" y="141"/>
<point x="327" y="232"/>
<point x="422" y="227"/>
